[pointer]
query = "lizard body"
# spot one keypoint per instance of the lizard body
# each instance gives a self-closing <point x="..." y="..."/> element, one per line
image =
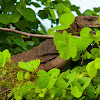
<point x="47" y="52"/>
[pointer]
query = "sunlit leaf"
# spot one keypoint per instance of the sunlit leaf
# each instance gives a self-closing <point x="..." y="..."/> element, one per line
<point x="30" y="66"/>
<point x="66" y="19"/>
<point x="71" y="77"/>
<point x="65" y="45"/>
<point x="97" y="63"/>
<point x="20" y="75"/>
<point x="59" y="83"/>
<point x="43" y="79"/>
<point x="92" y="71"/>
<point x="4" y="57"/>
<point x="85" y="81"/>
<point x="27" y="75"/>
<point x="76" y="92"/>
<point x="54" y="72"/>
<point x="25" y="89"/>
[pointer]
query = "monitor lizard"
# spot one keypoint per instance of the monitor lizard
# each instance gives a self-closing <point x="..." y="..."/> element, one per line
<point x="47" y="52"/>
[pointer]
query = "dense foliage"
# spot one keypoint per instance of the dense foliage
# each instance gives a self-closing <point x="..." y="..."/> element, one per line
<point x="25" y="82"/>
<point x="23" y="18"/>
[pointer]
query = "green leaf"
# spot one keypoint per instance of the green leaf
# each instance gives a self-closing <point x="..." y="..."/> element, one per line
<point x="66" y="19"/>
<point x="20" y="75"/>
<point x="60" y="83"/>
<point x="35" y="4"/>
<point x="58" y="92"/>
<point x="85" y="32"/>
<point x="60" y="37"/>
<point x="97" y="90"/>
<point x="89" y="13"/>
<point x="51" y="31"/>
<point x="51" y="83"/>
<point x="54" y="72"/>
<point x="20" y="43"/>
<point x="43" y="28"/>
<point x="67" y="9"/>
<point x="10" y="7"/>
<point x="86" y="36"/>
<point x="29" y="14"/>
<point x="96" y="9"/>
<point x="48" y="1"/>
<point x="90" y="91"/>
<point x="84" y="81"/>
<point x="97" y="34"/>
<point x="96" y="80"/>
<point x="15" y="17"/>
<point x="81" y="44"/>
<point x="30" y="66"/>
<point x="7" y="1"/>
<point x="76" y="69"/>
<point x="27" y="75"/>
<point x="35" y="63"/>
<point x="42" y="93"/>
<point x="52" y="13"/>
<point x="64" y="74"/>
<point x="71" y="77"/>
<point x="43" y="14"/>
<point x="4" y="57"/>
<point x="97" y="63"/>
<point x="76" y="92"/>
<point x="20" y="6"/>
<point x="17" y="93"/>
<point x="76" y="83"/>
<point x="43" y="79"/>
<point x="65" y="45"/>
<point x="95" y="53"/>
<point x="36" y="41"/>
<point x="87" y="55"/>
<point x="29" y="43"/>
<point x="59" y="8"/>
<point x="25" y="89"/>
<point x="92" y="71"/>
<point x="61" y="27"/>
<point x="3" y="17"/>
<point x="97" y="37"/>
<point x="76" y="9"/>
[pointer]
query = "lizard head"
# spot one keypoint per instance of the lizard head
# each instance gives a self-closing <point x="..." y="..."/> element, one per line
<point x="87" y="21"/>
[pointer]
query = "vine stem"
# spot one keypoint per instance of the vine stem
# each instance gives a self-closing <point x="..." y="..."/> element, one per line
<point x="26" y="34"/>
<point x="83" y="58"/>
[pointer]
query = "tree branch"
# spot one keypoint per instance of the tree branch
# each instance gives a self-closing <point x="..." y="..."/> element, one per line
<point x="26" y="34"/>
<point x="33" y="35"/>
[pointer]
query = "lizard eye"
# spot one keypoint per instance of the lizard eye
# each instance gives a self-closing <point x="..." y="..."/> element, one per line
<point x="89" y="19"/>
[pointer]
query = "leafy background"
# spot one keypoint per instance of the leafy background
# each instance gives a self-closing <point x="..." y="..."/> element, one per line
<point x="24" y="19"/>
<point x="80" y="82"/>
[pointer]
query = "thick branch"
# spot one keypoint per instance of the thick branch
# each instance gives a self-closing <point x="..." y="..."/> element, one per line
<point x="26" y="34"/>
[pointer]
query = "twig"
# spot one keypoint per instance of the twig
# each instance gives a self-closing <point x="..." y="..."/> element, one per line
<point x="26" y="34"/>
<point x="11" y="26"/>
<point x="5" y="91"/>
<point x="83" y="58"/>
